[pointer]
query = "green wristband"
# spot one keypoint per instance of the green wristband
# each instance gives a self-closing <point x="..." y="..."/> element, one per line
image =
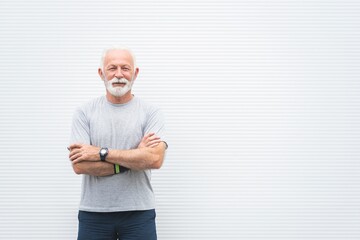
<point x="117" y="168"/>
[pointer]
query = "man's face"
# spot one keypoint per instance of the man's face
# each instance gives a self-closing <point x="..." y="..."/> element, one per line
<point x="118" y="72"/>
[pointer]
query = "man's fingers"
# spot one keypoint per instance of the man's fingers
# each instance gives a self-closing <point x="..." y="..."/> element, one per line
<point x="153" y="145"/>
<point x="148" y="139"/>
<point x="75" y="156"/>
<point x="75" y="151"/>
<point x="153" y="138"/>
<point x="76" y="161"/>
<point x="148" y="135"/>
<point x="75" y="145"/>
<point x="155" y="142"/>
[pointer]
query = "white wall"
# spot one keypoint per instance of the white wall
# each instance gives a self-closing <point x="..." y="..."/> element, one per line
<point x="262" y="104"/>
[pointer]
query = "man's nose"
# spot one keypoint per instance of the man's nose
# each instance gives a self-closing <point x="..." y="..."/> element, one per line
<point x="118" y="73"/>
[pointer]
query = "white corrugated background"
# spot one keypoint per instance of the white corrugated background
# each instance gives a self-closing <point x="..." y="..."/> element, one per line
<point x="261" y="99"/>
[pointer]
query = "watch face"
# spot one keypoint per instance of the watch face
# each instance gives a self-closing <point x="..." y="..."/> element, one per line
<point x="103" y="151"/>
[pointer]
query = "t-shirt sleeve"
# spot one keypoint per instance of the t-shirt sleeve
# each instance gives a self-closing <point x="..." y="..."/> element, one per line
<point x="80" y="129"/>
<point x="156" y="124"/>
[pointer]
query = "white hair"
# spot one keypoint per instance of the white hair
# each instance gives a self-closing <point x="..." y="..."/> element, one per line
<point x="107" y="50"/>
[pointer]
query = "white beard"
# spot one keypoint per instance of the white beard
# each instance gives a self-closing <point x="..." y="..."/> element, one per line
<point x="118" y="91"/>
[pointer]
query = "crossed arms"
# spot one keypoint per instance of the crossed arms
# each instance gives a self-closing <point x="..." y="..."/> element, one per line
<point x="148" y="155"/>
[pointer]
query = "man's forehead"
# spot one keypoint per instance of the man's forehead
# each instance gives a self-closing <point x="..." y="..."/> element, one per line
<point x="118" y="56"/>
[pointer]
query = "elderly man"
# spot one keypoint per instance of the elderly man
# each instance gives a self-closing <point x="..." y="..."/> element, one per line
<point x="116" y="140"/>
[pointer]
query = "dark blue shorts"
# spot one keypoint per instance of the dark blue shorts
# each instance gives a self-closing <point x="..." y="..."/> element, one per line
<point x="130" y="225"/>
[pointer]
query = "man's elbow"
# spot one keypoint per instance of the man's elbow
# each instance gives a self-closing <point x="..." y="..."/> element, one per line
<point x="158" y="162"/>
<point x="157" y="165"/>
<point x="158" y="156"/>
<point x="77" y="169"/>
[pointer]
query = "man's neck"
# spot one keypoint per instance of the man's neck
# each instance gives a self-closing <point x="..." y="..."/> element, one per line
<point x="119" y="100"/>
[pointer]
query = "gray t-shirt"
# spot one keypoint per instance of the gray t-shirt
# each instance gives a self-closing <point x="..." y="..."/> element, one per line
<point x="116" y="126"/>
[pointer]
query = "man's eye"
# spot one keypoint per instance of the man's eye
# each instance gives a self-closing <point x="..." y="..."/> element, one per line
<point x="126" y="69"/>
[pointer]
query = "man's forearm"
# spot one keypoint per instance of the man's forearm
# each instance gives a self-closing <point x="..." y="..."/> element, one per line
<point x="100" y="169"/>
<point x="149" y="157"/>
<point x="138" y="159"/>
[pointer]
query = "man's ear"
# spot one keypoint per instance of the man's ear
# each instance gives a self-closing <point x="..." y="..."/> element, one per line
<point x="101" y="74"/>
<point x="136" y="73"/>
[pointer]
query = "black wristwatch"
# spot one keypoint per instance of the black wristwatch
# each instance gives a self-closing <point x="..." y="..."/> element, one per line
<point x="103" y="153"/>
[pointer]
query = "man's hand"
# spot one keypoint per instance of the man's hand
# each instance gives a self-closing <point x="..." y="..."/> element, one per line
<point x="83" y="152"/>
<point x="149" y="140"/>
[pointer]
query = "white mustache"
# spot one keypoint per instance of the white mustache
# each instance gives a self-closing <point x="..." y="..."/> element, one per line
<point x="118" y="80"/>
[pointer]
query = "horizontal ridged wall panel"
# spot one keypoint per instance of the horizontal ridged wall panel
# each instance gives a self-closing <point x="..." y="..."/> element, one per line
<point x="261" y="100"/>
